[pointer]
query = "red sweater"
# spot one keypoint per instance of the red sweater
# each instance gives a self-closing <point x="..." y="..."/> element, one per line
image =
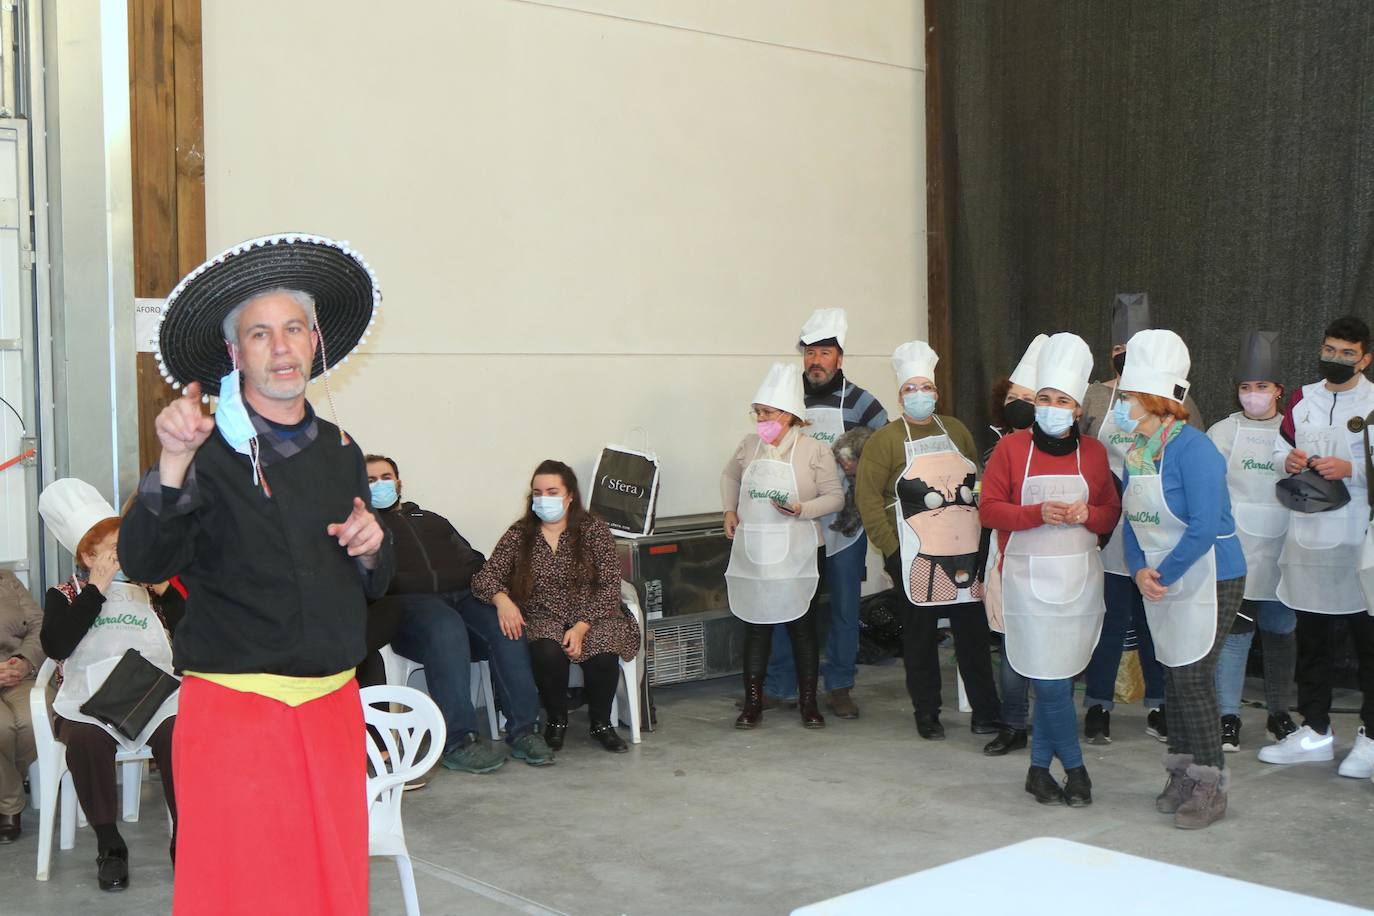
<point x="1000" y="507"/>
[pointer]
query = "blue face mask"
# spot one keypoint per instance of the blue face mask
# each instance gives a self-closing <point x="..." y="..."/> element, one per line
<point x="384" y="493"/>
<point x="919" y="405"/>
<point x="1121" y="415"/>
<point x="119" y="576"/>
<point x="231" y="416"/>
<point x="1054" y="421"/>
<point x="548" y="508"/>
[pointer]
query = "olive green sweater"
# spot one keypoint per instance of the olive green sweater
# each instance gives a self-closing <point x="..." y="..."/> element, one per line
<point x="883" y="460"/>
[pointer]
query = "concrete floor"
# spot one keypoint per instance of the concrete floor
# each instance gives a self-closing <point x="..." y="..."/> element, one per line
<point x="701" y="818"/>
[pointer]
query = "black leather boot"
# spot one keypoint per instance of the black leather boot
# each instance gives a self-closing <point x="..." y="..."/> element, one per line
<point x="1043" y="786"/>
<point x="112" y="869"/>
<point x="1078" y="788"/>
<point x="806" y="702"/>
<point x="554" y="732"/>
<point x="1007" y="740"/>
<point x="604" y="734"/>
<point x="752" y="711"/>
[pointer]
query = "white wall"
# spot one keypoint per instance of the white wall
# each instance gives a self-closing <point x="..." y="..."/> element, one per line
<point x="585" y="216"/>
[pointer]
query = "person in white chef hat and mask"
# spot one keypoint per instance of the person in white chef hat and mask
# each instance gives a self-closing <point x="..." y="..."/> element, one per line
<point x="834" y="405"/>
<point x="1246" y="438"/>
<point x="89" y="622"/>
<point x="1050" y="495"/>
<point x="774" y="487"/>
<point x="1183" y="553"/>
<point x="915" y="490"/>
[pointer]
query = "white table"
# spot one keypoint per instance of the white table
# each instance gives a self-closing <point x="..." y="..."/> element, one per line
<point x="1048" y="876"/>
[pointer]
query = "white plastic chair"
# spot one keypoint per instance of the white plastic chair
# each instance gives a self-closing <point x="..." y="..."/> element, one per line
<point x="628" y="689"/>
<point x="401" y="718"/>
<point x="399" y="670"/>
<point x="54" y="783"/>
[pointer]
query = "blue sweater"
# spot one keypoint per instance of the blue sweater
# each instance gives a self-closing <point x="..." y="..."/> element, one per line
<point x="1195" y="491"/>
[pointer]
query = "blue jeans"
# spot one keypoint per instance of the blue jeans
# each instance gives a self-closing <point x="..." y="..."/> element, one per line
<point x="842" y="576"/>
<point x="1015" y="689"/>
<point x="441" y="632"/>
<point x="1125" y="608"/>
<point x="1056" y="725"/>
<point x="1272" y="617"/>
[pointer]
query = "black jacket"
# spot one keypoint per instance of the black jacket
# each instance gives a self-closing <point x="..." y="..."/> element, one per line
<point x="431" y="556"/>
<point x="269" y="591"/>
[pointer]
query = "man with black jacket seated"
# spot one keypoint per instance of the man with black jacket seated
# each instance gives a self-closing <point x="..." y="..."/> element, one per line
<point x="441" y="622"/>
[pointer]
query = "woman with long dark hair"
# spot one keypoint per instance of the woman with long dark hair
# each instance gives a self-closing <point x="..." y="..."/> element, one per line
<point x="555" y="573"/>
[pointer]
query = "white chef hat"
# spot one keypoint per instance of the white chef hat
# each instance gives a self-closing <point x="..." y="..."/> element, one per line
<point x="914" y="359"/>
<point x="782" y="389"/>
<point x="1157" y="362"/>
<point x="824" y="324"/>
<point x="1024" y="373"/>
<point x="1065" y="364"/>
<point x="71" y="507"/>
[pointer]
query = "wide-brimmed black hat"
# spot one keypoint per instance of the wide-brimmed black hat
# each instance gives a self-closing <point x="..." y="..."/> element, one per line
<point x="191" y="346"/>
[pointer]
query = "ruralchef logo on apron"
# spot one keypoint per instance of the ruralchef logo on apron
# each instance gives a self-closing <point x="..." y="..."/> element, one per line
<point x="827" y="425"/>
<point x="625" y="490"/>
<point x="1261" y="522"/>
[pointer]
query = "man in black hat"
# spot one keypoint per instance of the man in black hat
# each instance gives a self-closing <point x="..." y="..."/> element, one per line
<point x="263" y="512"/>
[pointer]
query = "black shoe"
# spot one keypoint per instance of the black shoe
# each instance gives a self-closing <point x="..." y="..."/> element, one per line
<point x="112" y="869"/>
<point x="1097" y="725"/>
<point x="554" y="732"/>
<point x="1078" y="788"/>
<point x="10" y="828"/>
<point x="985" y="728"/>
<point x="1156" y="726"/>
<point x="1281" y="726"/>
<point x="929" y="727"/>
<point x="606" y="736"/>
<point x="1041" y="784"/>
<point x="1007" y="740"/>
<point x="1230" y="734"/>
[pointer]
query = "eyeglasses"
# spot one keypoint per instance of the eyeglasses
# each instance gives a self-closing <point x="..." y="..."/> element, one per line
<point x="927" y="388"/>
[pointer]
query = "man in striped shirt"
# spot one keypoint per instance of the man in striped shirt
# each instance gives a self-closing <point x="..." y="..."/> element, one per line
<point x="834" y="405"/>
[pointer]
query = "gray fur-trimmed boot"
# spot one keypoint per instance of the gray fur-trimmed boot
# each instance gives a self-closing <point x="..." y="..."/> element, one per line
<point x="1207" y="804"/>
<point x="1179" y="787"/>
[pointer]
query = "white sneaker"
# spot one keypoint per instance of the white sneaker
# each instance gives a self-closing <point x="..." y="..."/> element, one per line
<point x="1359" y="763"/>
<point x="1303" y="746"/>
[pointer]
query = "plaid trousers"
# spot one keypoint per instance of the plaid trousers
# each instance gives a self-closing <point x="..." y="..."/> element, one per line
<point x="1190" y="691"/>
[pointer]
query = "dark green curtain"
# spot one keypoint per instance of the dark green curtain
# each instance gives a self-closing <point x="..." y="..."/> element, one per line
<point x="1217" y="155"/>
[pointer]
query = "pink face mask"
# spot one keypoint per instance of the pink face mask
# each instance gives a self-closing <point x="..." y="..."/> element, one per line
<point x="769" y="430"/>
<point x="1257" y="403"/>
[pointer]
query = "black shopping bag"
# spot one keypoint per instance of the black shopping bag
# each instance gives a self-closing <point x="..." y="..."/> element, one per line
<point x="625" y="490"/>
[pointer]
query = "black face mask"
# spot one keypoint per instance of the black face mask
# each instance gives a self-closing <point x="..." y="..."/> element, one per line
<point x="1336" y="373"/>
<point x="1119" y="362"/>
<point x="1018" y="414"/>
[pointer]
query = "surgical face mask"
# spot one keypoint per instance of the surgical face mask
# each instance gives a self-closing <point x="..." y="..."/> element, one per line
<point x="1337" y="373"/>
<point x="384" y="493"/>
<point x="231" y="416"/>
<point x="1119" y="362"/>
<point x="1018" y="414"/>
<point x="119" y="576"/>
<point x="1054" y="421"/>
<point x="548" y="508"/>
<point x="1257" y="403"/>
<point x="1121" y="415"/>
<point x="768" y="430"/>
<point x="919" y="405"/>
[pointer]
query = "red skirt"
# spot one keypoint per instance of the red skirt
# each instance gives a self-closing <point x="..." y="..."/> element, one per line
<point x="272" y="803"/>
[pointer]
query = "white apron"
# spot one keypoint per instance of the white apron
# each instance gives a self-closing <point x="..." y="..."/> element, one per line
<point x="1261" y="521"/>
<point x="772" y="573"/>
<point x="1118" y="443"/>
<point x="1322" y="550"/>
<point x="827" y="425"/>
<point x="126" y="621"/>
<point x="1183" y="623"/>
<point x="1052" y="585"/>
<point x="919" y="452"/>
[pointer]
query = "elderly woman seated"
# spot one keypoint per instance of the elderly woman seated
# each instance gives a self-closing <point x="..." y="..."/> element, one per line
<point x="555" y="577"/>
<point x="89" y="622"/>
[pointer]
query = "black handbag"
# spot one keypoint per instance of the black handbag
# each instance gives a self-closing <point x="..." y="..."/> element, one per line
<point x="131" y="695"/>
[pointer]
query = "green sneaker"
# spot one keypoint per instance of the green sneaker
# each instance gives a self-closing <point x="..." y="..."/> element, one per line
<point x="475" y="756"/>
<point x="533" y="750"/>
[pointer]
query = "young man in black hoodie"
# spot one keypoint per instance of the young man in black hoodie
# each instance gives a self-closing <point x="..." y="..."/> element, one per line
<point x="441" y="623"/>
